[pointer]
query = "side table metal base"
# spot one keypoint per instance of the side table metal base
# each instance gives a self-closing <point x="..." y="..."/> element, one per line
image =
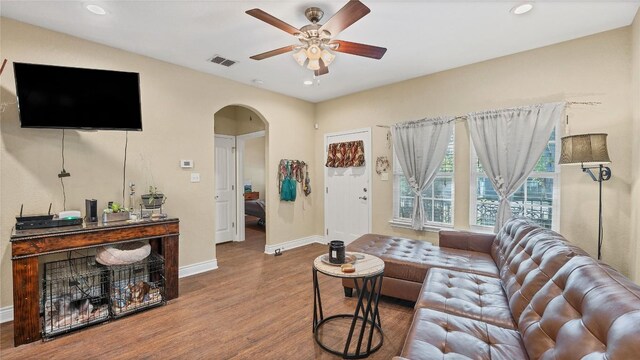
<point x="366" y="312"/>
<point x="360" y="355"/>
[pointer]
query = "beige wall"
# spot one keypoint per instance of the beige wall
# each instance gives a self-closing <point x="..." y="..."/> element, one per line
<point x="225" y="121"/>
<point x="594" y="68"/>
<point x="178" y="107"/>
<point x="254" y="164"/>
<point x="635" y="99"/>
<point x="237" y="120"/>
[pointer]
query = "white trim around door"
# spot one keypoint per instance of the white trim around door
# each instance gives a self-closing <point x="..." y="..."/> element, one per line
<point x="367" y="156"/>
<point x="240" y="143"/>
<point x="234" y="190"/>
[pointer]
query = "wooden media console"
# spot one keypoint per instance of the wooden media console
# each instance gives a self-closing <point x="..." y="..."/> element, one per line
<point x="28" y="245"/>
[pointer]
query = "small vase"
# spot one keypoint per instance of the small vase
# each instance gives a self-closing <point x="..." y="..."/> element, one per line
<point x="336" y="252"/>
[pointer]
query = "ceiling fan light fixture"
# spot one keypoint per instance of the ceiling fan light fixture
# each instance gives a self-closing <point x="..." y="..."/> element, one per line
<point x="314" y="64"/>
<point x="314" y="52"/>
<point x="327" y="57"/>
<point x="316" y="47"/>
<point x="300" y="57"/>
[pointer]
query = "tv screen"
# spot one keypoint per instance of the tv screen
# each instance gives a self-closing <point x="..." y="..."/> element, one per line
<point x="74" y="98"/>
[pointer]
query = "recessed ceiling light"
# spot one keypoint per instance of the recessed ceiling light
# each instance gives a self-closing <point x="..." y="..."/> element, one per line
<point x="257" y="82"/>
<point x="308" y="82"/>
<point x="96" y="9"/>
<point x="522" y="8"/>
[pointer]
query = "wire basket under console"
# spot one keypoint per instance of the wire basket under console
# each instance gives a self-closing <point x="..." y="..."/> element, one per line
<point x="74" y="295"/>
<point x="137" y="286"/>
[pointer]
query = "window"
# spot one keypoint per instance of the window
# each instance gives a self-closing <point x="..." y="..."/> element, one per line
<point x="437" y="198"/>
<point x="537" y="199"/>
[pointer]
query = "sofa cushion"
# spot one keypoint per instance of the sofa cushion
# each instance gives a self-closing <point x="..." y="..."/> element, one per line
<point x="410" y="259"/>
<point x="438" y="335"/>
<point x="532" y="263"/>
<point x="468" y="295"/>
<point x="588" y="310"/>
<point x="508" y="237"/>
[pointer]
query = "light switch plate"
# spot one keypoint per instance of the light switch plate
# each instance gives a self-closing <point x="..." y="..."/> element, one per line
<point x="384" y="176"/>
<point x="195" y="177"/>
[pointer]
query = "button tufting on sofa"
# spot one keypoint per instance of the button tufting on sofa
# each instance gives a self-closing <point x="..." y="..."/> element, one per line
<point x="523" y="293"/>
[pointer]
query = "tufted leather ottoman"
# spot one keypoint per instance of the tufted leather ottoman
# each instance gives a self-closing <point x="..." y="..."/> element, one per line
<point x="407" y="262"/>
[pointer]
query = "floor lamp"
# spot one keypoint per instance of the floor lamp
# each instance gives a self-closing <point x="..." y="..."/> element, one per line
<point x="590" y="151"/>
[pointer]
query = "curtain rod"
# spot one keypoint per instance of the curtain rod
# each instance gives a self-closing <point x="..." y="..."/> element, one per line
<point x="464" y="117"/>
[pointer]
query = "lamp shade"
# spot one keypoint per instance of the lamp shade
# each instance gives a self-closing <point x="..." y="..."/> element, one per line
<point x="300" y="56"/>
<point x="584" y="149"/>
<point x="327" y="57"/>
<point x="314" y="64"/>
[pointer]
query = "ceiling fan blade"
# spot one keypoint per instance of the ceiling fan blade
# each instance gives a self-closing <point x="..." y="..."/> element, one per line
<point x="271" y="20"/>
<point x="353" y="11"/>
<point x="275" y="52"/>
<point x="4" y="62"/>
<point x="323" y="69"/>
<point x="352" y="48"/>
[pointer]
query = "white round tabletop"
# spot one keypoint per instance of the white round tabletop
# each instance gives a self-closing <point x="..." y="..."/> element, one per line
<point x="369" y="266"/>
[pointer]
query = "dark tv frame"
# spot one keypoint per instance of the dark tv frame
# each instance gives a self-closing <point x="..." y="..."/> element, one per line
<point x="70" y="127"/>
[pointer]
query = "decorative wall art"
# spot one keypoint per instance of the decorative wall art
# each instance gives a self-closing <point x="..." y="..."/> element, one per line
<point x="382" y="165"/>
<point x="345" y="154"/>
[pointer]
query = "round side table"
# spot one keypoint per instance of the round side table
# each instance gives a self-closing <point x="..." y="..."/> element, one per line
<point x="368" y="283"/>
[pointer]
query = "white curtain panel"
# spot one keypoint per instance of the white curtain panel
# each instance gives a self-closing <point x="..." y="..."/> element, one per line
<point x="509" y="143"/>
<point x="420" y="147"/>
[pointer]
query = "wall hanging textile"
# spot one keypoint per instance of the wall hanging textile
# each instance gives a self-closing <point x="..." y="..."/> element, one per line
<point x="345" y="154"/>
<point x="290" y="173"/>
<point x="509" y="143"/>
<point x="420" y="147"/>
<point x="382" y="165"/>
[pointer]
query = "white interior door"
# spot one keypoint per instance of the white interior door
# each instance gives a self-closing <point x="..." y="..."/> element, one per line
<point x="348" y="192"/>
<point x="225" y="193"/>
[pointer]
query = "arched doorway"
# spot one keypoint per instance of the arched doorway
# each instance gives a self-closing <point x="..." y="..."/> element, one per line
<point x="240" y="163"/>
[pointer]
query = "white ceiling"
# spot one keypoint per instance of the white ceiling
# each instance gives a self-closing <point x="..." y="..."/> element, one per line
<point x="422" y="37"/>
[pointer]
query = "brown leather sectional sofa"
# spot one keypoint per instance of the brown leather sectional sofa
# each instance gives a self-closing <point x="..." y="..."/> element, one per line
<point x="523" y="293"/>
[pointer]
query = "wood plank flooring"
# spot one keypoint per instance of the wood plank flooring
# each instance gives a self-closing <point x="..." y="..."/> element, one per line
<point x="255" y="306"/>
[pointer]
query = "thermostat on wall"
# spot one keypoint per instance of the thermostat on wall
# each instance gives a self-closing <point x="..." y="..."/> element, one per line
<point x="186" y="164"/>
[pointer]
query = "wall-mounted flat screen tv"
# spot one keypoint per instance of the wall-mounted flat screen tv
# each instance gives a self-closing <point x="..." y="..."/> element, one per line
<point x="74" y="98"/>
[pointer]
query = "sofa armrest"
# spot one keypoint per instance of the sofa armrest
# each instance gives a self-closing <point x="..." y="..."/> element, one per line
<point x="465" y="240"/>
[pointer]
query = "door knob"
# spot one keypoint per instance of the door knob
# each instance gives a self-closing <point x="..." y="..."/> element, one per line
<point x="362" y="198"/>
<point x="216" y="197"/>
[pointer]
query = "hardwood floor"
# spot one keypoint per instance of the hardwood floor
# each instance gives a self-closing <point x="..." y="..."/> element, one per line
<point x="255" y="306"/>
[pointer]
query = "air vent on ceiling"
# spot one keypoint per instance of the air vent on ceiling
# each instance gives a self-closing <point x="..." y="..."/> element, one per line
<point x="217" y="59"/>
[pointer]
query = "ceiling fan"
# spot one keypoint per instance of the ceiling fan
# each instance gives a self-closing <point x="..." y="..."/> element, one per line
<point x="318" y="41"/>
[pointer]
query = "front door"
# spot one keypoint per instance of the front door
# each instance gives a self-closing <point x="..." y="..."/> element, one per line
<point x="348" y="192"/>
<point x="225" y="192"/>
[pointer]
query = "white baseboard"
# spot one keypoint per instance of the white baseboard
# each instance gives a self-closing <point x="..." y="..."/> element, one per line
<point x="271" y="249"/>
<point x="6" y="314"/>
<point x="197" y="268"/>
